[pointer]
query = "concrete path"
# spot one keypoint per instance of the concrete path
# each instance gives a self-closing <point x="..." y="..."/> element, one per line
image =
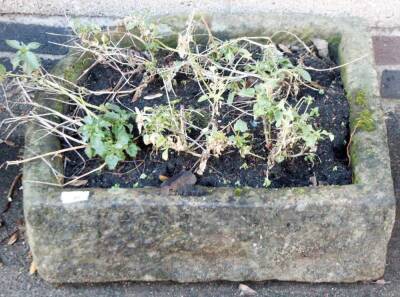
<point x="384" y="13"/>
<point x="15" y="259"/>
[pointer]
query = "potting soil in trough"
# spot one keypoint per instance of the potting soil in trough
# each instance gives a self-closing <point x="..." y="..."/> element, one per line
<point x="330" y="167"/>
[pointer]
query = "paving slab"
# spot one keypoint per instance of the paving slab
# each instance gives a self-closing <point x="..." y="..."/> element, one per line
<point x="390" y="84"/>
<point x="393" y="129"/>
<point x="386" y="50"/>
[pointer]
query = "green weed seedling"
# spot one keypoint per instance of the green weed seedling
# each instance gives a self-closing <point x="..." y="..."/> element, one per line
<point x="24" y="57"/>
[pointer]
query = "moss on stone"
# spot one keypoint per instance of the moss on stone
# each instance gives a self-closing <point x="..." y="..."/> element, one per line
<point x="333" y="46"/>
<point x="356" y="179"/>
<point x="238" y="192"/>
<point x="74" y="70"/>
<point x="353" y="157"/>
<point x="365" y="120"/>
<point x="299" y="191"/>
<point x="335" y="40"/>
<point x="360" y="98"/>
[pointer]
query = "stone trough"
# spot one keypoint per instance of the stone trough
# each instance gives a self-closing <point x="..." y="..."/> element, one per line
<point x="310" y="234"/>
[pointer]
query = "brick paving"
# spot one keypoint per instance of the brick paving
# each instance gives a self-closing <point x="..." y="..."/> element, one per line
<point x="387" y="60"/>
<point x="387" y="50"/>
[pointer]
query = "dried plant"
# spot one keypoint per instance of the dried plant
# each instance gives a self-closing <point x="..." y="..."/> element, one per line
<point x="248" y="78"/>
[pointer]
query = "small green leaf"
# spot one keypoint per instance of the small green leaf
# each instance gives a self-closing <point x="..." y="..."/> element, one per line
<point x="240" y="126"/>
<point x="165" y="155"/>
<point x="314" y="112"/>
<point x="111" y="161"/>
<point x="244" y="166"/>
<point x="122" y="138"/>
<point x="14" y="44"/>
<point x="98" y="146"/>
<point x="33" y="60"/>
<point x="88" y="119"/>
<point x="267" y="182"/>
<point x="304" y="74"/>
<point x="309" y="99"/>
<point x="30" y="62"/>
<point x="278" y="115"/>
<point x="146" y="139"/>
<point x="249" y="92"/>
<point x="310" y="158"/>
<point x="203" y="98"/>
<point x="229" y="55"/>
<point x="231" y="97"/>
<point x="3" y="69"/>
<point x="245" y="53"/>
<point x="132" y="150"/>
<point x="33" y="45"/>
<point x="89" y="152"/>
<point x="279" y="159"/>
<point x="15" y="62"/>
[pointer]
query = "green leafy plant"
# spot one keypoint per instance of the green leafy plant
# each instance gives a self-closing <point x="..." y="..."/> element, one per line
<point x="146" y="32"/>
<point x="217" y="142"/>
<point x="86" y="31"/>
<point x="241" y="138"/>
<point x="24" y="57"/>
<point x="296" y="136"/>
<point x="164" y="128"/>
<point x="116" y="187"/>
<point x="262" y="82"/>
<point x="109" y="135"/>
<point x="267" y="182"/>
<point x="244" y="84"/>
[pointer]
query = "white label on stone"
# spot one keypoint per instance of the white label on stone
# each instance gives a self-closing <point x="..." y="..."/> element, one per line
<point x="74" y="196"/>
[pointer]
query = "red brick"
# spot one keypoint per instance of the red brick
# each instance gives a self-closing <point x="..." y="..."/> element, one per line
<point x="387" y="50"/>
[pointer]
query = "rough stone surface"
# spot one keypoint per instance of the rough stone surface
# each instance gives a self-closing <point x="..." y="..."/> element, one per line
<point x="318" y="234"/>
<point x="386" y="50"/>
<point x="322" y="47"/>
<point x="390" y="84"/>
<point x="42" y="34"/>
<point x="257" y="236"/>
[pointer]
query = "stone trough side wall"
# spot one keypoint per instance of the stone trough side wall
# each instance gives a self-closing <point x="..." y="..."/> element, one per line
<point x="46" y="21"/>
<point x="343" y="231"/>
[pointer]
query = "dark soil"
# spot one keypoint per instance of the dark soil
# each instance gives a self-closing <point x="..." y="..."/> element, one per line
<point x="331" y="166"/>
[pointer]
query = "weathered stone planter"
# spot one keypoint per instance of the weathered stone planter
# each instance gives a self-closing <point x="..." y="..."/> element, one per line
<point x="315" y="234"/>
